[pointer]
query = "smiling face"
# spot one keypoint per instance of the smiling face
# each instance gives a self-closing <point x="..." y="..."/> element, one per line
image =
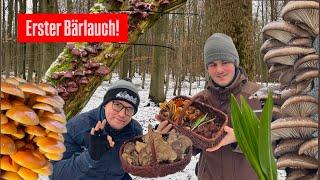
<point x="221" y="72"/>
<point x="118" y="119"/>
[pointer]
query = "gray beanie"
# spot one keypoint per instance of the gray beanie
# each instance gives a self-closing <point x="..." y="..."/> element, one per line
<point x="123" y="90"/>
<point x="220" y="47"/>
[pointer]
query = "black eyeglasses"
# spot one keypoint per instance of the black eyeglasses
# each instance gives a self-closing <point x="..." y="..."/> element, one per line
<point x="129" y="111"/>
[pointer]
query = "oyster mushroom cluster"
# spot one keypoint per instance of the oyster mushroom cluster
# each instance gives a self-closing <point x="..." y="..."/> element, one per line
<point x="193" y="118"/>
<point x="165" y="149"/>
<point x="32" y="123"/>
<point x="291" y="51"/>
<point x="82" y="68"/>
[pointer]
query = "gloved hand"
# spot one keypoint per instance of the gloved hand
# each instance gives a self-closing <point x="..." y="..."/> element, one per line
<point x="99" y="143"/>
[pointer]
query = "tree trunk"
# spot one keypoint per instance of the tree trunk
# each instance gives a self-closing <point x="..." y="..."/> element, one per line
<point x="116" y="50"/>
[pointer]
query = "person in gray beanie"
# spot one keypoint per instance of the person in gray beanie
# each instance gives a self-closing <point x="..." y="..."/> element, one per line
<point x="94" y="138"/>
<point x="225" y="160"/>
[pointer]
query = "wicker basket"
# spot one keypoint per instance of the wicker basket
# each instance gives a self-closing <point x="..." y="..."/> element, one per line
<point x="155" y="169"/>
<point x="200" y="141"/>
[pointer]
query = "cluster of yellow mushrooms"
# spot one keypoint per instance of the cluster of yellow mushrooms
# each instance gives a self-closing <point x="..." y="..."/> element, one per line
<point x="32" y="123"/>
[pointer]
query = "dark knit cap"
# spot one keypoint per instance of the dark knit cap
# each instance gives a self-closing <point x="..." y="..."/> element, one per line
<point x="123" y="90"/>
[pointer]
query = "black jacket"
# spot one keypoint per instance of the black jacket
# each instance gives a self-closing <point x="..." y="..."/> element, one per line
<point x="77" y="163"/>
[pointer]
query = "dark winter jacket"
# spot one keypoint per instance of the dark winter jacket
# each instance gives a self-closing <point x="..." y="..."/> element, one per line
<point x="77" y="163"/>
<point x="228" y="162"/>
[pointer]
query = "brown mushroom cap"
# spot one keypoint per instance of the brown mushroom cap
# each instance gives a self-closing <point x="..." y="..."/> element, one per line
<point x="48" y="88"/>
<point x="8" y="164"/>
<point x="23" y="114"/>
<point x="46" y="170"/>
<point x="308" y="61"/>
<point x="27" y="174"/>
<point x="11" y="89"/>
<point x="286" y="76"/>
<point x="310" y="148"/>
<point x="12" y="80"/>
<point x="19" y="134"/>
<point x="287" y="146"/>
<point x="9" y="128"/>
<point x="8" y="175"/>
<point x="7" y="145"/>
<point x="3" y="119"/>
<point x="53" y="125"/>
<point x="297" y="41"/>
<point x="293" y="127"/>
<point x="43" y="106"/>
<point x="32" y="89"/>
<point x="57" y="136"/>
<point x="286" y="55"/>
<point x="296" y="174"/>
<point x="306" y="12"/>
<point x="48" y="100"/>
<point x="5" y="104"/>
<point x="55" y="116"/>
<point x="36" y="130"/>
<point x="276" y="69"/>
<point x="295" y="161"/>
<point x="283" y="31"/>
<point x="29" y="159"/>
<point x="54" y="156"/>
<point x="300" y="105"/>
<point x="51" y="145"/>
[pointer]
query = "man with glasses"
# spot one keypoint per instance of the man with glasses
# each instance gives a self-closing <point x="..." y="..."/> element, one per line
<point x="94" y="138"/>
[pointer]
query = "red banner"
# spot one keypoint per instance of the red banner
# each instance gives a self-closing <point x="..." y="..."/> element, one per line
<point x="73" y="27"/>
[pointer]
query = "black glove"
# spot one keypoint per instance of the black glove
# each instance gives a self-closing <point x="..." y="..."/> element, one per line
<point x="98" y="145"/>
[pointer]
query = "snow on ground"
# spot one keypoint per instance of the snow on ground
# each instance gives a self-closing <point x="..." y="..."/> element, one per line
<point x="146" y="114"/>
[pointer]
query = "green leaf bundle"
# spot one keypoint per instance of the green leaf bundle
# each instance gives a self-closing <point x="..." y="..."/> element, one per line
<point x="254" y="136"/>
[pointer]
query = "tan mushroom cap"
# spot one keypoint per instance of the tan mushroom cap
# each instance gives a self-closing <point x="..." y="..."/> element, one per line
<point x="54" y="156"/>
<point x="287" y="146"/>
<point x="5" y="104"/>
<point x="46" y="170"/>
<point x="12" y="80"/>
<point x="296" y="174"/>
<point x="55" y="116"/>
<point x="286" y="55"/>
<point x="23" y="114"/>
<point x="53" y="125"/>
<point x="43" y="106"/>
<point x="7" y="145"/>
<point x="57" y="136"/>
<point x="29" y="159"/>
<point x="19" y="134"/>
<point x="304" y="41"/>
<point x="308" y="61"/>
<point x="293" y="127"/>
<point x="9" y="128"/>
<point x="27" y="174"/>
<point x="32" y="89"/>
<point x="309" y="148"/>
<point x="36" y="130"/>
<point x="48" y="100"/>
<point x="59" y="99"/>
<point x="8" y="164"/>
<point x="48" y="88"/>
<point x="283" y="31"/>
<point x="3" y="119"/>
<point x="8" y="175"/>
<point x="300" y="105"/>
<point x="286" y="76"/>
<point x="276" y="69"/>
<point x="11" y="89"/>
<point x="51" y="145"/>
<point x="270" y="44"/>
<point x="307" y="74"/>
<point x="296" y="162"/>
<point x="306" y="12"/>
